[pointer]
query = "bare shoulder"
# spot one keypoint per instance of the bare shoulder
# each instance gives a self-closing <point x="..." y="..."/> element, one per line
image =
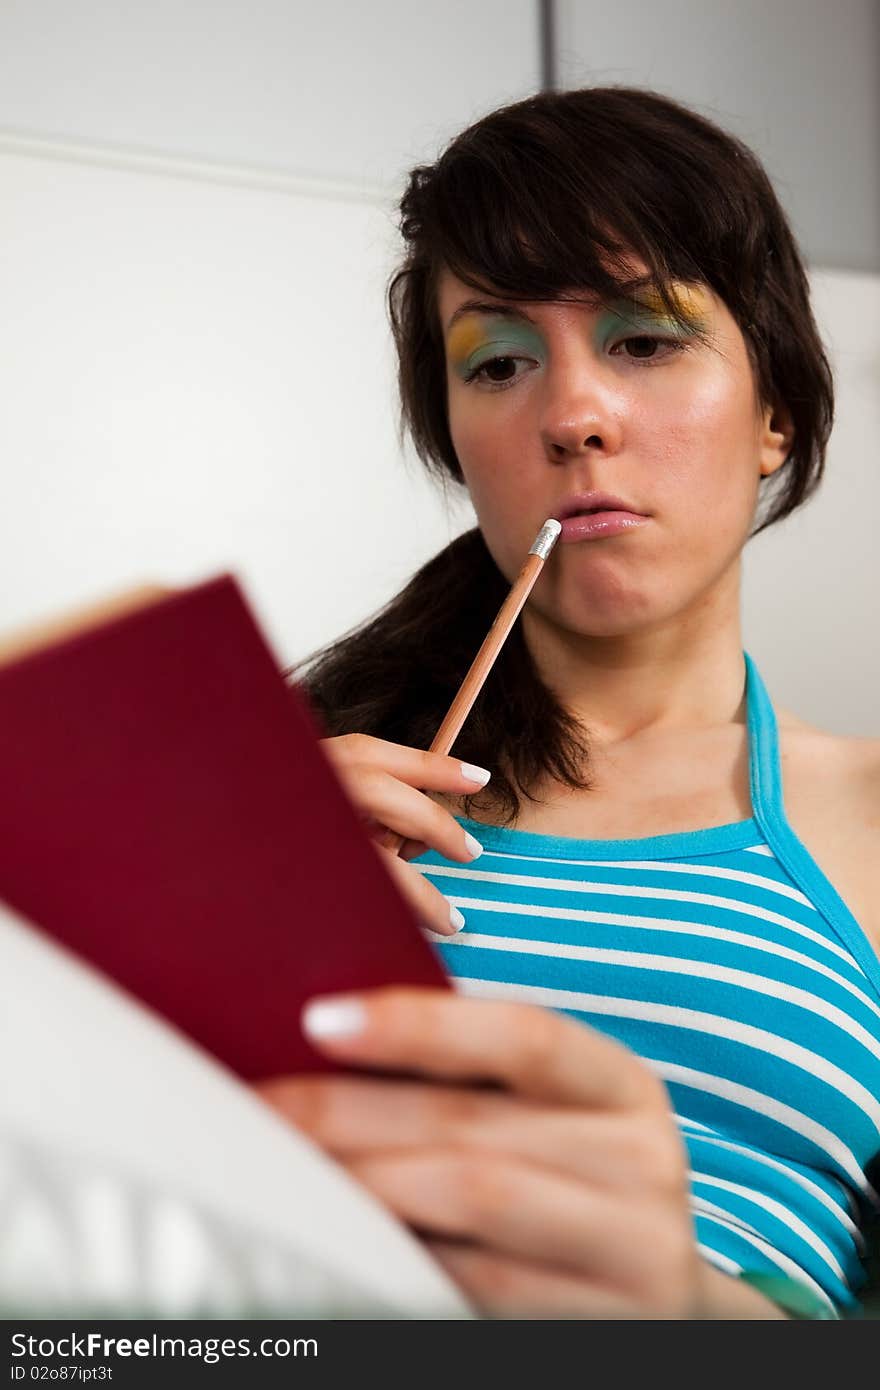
<point x="854" y="759"/>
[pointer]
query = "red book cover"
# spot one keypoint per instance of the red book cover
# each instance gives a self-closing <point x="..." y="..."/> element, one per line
<point x="167" y="813"/>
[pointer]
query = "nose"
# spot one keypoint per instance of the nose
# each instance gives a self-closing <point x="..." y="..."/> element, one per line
<point x="582" y="412"/>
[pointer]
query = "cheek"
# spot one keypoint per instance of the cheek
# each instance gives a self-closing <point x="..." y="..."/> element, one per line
<point x="702" y="442"/>
<point x="505" y="490"/>
<point x="464" y="430"/>
<point x="486" y="452"/>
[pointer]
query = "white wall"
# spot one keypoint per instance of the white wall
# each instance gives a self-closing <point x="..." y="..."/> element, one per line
<point x="338" y="89"/>
<point x="196" y="378"/>
<point x="196" y="367"/>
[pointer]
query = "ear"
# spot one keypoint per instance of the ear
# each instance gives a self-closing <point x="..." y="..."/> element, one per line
<point x="775" y="438"/>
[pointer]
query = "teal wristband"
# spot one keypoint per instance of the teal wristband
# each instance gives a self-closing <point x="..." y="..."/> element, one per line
<point x="790" y="1295"/>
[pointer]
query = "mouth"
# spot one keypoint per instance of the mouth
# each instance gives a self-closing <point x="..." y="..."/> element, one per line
<point x="592" y="516"/>
<point x="592" y="503"/>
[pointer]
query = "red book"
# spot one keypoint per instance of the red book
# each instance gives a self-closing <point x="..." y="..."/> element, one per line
<point x="167" y="813"/>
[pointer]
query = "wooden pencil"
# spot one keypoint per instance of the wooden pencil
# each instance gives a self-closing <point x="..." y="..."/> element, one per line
<point x="485" y="658"/>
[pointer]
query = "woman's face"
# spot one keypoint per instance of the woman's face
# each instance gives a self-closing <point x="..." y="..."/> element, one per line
<point x="573" y="397"/>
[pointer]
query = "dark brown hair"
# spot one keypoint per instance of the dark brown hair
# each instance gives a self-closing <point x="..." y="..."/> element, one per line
<point x="539" y="200"/>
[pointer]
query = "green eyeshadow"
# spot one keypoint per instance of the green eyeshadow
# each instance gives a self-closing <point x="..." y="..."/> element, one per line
<point x="472" y="343"/>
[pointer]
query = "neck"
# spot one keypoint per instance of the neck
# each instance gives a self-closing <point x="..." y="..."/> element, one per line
<point x="683" y="672"/>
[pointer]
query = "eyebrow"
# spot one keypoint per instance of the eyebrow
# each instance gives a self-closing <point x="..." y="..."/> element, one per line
<point x="507" y="311"/>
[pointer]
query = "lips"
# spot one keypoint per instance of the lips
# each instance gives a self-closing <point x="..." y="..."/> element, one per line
<point x="588" y="502"/>
<point x="597" y="516"/>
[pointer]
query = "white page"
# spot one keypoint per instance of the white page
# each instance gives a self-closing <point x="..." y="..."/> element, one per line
<point x="137" y="1173"/>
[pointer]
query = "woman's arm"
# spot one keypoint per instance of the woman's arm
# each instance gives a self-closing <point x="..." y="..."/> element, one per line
<point x="560" y="1191"/>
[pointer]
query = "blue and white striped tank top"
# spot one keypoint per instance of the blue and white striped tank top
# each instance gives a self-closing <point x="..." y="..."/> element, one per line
<point x="727" y="960"/>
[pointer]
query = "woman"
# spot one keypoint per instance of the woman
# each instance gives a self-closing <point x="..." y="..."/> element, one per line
<point x="667" y="971"/>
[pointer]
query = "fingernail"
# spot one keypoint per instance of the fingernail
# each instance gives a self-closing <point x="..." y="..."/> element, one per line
<point x="456" y="918"/>
<point x="474" y="848"/>
<point x="333" y="1018"/>
<point x="475" y="774"/>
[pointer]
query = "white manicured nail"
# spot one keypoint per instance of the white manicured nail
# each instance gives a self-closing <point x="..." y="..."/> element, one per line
<point x="475" y="774"/>
<point x="474" y="848"/>
<point x="456" y="918"/>
<point x="333" y="1018"/>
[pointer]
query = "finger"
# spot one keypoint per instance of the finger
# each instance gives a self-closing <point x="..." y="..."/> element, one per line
<point x="389" y="802"/>
<point x="501" y="1286"/>
<point x="535" y="1051"/>
<point x="417" y="766"/>
<point x="413" y="849"/>
<point x="617" y="1151"/>
<point x="410" y="849"/>
<point x="433" y="910"/>
<point x="644" y="1249"/>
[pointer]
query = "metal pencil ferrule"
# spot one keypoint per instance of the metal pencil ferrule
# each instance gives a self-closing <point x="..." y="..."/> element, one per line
<point x="546" y="538"/>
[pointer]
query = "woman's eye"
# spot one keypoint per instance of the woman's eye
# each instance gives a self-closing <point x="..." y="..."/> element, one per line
<point x="489" y="367"/>
<point x="497" y="373"/>
<point x="645" y="345"/>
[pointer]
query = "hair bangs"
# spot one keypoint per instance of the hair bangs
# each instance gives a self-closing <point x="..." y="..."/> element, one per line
<point x="507" y="246"/>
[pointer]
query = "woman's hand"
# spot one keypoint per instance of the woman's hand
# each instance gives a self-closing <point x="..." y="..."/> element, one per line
<point x="563" y="1192"/>
<point x="382" y="779"/>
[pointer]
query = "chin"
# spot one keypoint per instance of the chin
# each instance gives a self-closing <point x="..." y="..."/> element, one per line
<point x="617" y="616"/>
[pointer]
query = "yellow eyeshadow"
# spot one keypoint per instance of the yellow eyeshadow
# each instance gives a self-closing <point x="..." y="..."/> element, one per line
<point x="466" y="336"/>
<point x="690" y="300"/>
